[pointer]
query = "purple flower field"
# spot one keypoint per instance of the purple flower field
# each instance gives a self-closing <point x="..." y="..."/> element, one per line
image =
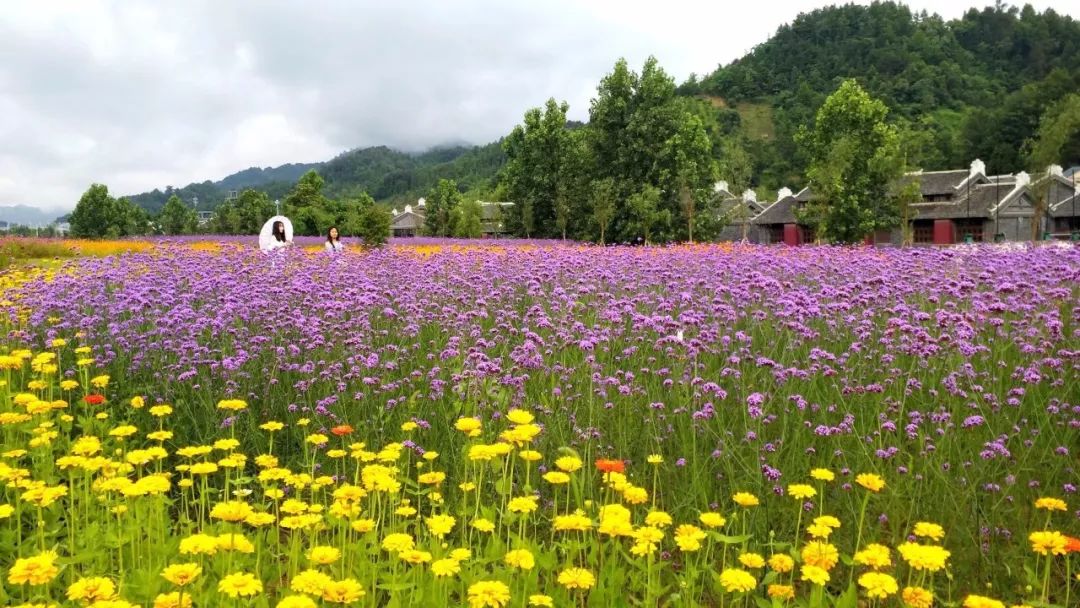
<point x="953" y="374"/>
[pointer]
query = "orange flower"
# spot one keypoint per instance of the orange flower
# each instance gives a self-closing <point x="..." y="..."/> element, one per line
<point x="341" y="430"/>
<point x="610" y="466"/>
<point x="94" y="399"/>
<point x="1072" y="545"/>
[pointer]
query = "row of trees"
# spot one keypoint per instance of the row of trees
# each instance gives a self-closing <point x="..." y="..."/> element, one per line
<point x="642" y="168"/>
<point x="99" y="215"/>
<point x="448" y="213"/>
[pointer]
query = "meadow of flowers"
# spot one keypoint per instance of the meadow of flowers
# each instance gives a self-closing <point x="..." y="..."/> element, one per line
<point x="201" y="424"/>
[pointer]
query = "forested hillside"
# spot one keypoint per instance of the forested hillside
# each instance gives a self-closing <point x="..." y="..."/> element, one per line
<point x="974" y="87"/>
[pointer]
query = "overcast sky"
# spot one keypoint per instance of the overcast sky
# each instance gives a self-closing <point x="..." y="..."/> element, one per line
<point x="142" y="94"/>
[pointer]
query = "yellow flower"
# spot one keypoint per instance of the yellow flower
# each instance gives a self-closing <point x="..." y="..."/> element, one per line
<point x="801" y="491"/>
<point x="101" y="381"/>
<point x="123" y="431"/>
<point x="199" y="544"/>
<point x="814" y="574"/>
<point x="317" y="439"/>
<point x="469" y="426"/>
<point x="231" y="511"/>
<point x="69" y="385"/>
<point x="917" y="597"/>
<point x="460" y="555"/>
<point x="655" y="459"/>
<point x="343" y="592"/>
<point x="310" y="581"/>
<point x="781" y="592"/>
<point x="397" y="542"/>
<point x="137" y="402"/>
<point x="517" y="416"/>
<point x="819" y="531"/>
<point x="636" y="495"/>
<point x="169" y="600"/>
<point x="878" y="585"/>
<point x="734" y="580"/>
<point x="924" y="557"/>
<point x="828" y="521"/>
<point x="689" y="537"/>
<point x="822" y="555"/>
<point x="658" y="519"/>
<point x="414" y="556"/>
<point x="568" y="464"/>
<point x="712" y="520"/>
<point x="181" y="574"/>
<point x="575" y="522"/>
<point x="522" y="504"/>
<point x="323" y="555"/>
<point x="1051" y="504"/>
<point x="445" y="567"/>
<point x="235" y="542"/>
<point x="6" y="511"/>
<point x="870" y="481"/>
<point x="483" y="525"/>
<point x="271" y="426"/>
<point x="781" y="563"/>
<point x="924" y="529"/>
<point x="91" y="589"/>
<point x="745" y="499"/>
<point x="519" y="558"/>
<point x="556" y="477"/>
<point x="1047" y="542"/>
<point x="488" y="594"/>
<point x="530" y="455"/>
<point x="409" y="426"/>
<point x="978" y="601"/>
<point x="577" y="578"/>
<point x="296" y="601"/>
<point x="440" y="525"/>
<point x="541" y="600"/>
<point x="240" y="584"/>
<point x="752" y="560"/>
<point x="232" y="404"/>
<point x="432" y="478"/>
<point x="874" y="555"/>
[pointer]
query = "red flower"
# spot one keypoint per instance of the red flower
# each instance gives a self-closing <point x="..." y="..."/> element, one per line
<point x="341" y="430"/>
<point x="94" y="399"/>
<point x="1072" y="545"/>
<point x="610" y="466"/>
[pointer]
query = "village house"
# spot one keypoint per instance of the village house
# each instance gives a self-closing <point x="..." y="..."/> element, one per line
<point x="736" y="212"/>
<point x="956" y="206"/>
<point x="410" y="222"/>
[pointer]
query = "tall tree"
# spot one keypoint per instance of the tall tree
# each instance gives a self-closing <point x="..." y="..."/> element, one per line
<point x="1058" y="125"/>
<point x="93" y="216"/>
<point x="854" y="159"/>
<point x="253" y="208"/>
<point x="177" y="218"/>
<point x="469" y="224"/>
<point x="441" y="208"/>
<point x="306" y="205"/>
<point x="603" y="204"/>
<point x="645" y="210"/>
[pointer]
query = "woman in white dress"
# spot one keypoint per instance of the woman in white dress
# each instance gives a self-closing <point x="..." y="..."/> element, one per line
<point x="280" y="238"/>
<point x="333" y="242"/>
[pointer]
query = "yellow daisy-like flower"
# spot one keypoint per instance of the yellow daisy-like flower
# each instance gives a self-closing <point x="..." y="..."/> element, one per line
<point x="522" y="504"/>
<point x="781" y="592"/>
<point x="397" y="542"/>
<point x="445" y="567"/>
<point x="814" y="574"/>
<point x="568" y="464"/>
<point x="752" y="560"/>
<point x="296" y="601"/>
<point x="917" y="597"/>
<point x="745" y="500"/>
<point x="541" y="600"/>
<point x="822" y="555"/>
<point x="712" y="520"/>
<point x="870" y="481"/>
<point x="658" y="519"/>
<point x="1051" y="504"/>
<point x="240" y="584"/>
<point x="734" y="580"/>
<point x="781" y="563"/>
<point x="878" y="585"/>
<point x="801" y="491"/>
<point x="875" y="556"/>
<point x="272" y="426"/>
<point x="1048" y="542"/>
<point x="323" y="555"/>
<point x="343" y="592"/>
<point x="654" y="459"/>
<point x="556" y="477"/>
<point x="979" y="601"/>
<point x="925" y="529"/>
<point x="483" y="525"/>
<point x="232" y="404"/>
<point x="162" y="600"/>
<point x="519" y="558"/>
<point x="181" y="574"/>
<point x="488" y="594"/>
<point x="310" y="581"/>
<point x="577" y="578"/>
<point x="92" y="589"/>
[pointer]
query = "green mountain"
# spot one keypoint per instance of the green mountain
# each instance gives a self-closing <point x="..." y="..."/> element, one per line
<point x="973" y="87"/>
<point x="387" y="175"/>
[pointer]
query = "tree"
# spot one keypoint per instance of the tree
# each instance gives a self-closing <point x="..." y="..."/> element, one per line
<point x="854" y="160"/>
<point x="253" y="208"/>
<point x="603" y="204"/>
<point x="441" y="208"/>
<point x="374" y="226"/>
<point x="177" y="218"/>
<point x="1058" y="125"/>
<point x="644" y="206"/>
<point x="90" y="219"/>
<point x="542" y="165"/>
<point x="692" y="169"/>
<point x="469" y="224"/>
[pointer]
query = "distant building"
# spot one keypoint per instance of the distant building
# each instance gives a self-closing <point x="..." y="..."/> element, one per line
<point x="205" y="217"/>
<point x="957" y="206"/>
<point x="407" y="223"/>
<point x="736" y="212"/>
<point x="410" y="222"/>
<point x="493" y="218"/>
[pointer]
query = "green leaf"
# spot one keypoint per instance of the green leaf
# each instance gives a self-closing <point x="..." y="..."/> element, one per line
<point x="848" y="599"/>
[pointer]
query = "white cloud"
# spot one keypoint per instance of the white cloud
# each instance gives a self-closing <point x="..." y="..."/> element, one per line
<point x="139" y="94"/>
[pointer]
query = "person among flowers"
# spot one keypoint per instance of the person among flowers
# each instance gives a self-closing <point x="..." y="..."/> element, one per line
<point x="279" y="237"/>
<point x="333" y="241"/>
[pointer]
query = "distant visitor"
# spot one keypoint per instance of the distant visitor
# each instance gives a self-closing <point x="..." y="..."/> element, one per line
<point x="276" y="233"/>
<point x="333" y="241"/>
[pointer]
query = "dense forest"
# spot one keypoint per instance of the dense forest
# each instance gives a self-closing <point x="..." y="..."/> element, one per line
<point x="973" y="87"/>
